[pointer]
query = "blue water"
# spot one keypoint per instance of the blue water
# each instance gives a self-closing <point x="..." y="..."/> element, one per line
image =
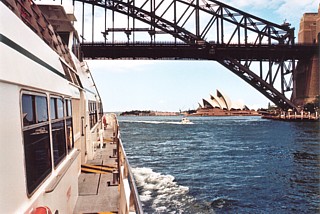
<point x="224" y="164"/>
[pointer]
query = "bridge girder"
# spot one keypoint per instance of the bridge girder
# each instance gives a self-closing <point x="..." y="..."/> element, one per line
<point x="182" y="19"/>
<point x="156" y="15"/>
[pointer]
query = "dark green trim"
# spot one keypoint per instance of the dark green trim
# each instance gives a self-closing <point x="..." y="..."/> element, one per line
<point x="28" y="54"/>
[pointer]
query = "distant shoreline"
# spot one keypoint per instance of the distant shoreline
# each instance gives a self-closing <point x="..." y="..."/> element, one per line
<point x="208" y="113"/>
<point x="148" y="113"/>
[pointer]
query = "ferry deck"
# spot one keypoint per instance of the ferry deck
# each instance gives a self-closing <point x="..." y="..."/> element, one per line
<point x="95" y="195"/>
<point x="100" y="183"/>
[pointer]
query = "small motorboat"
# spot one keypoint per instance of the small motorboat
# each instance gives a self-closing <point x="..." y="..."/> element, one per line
<point x="185" y="121"/>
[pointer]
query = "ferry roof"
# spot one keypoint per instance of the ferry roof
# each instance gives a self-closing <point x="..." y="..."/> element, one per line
<point x="58" y="18"/>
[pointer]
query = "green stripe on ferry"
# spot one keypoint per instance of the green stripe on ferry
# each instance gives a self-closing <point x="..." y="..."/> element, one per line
<point x="5" y="40"/>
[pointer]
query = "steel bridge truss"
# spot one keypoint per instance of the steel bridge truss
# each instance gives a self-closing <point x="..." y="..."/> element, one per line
<point x="200" y="26"/>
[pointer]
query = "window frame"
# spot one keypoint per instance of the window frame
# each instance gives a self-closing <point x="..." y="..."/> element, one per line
<point x="68" y="109"/>
<point x="31" y="187"/>
<point x="33" y="143"/>
<point x="93" y="113"/>
<point x="56" y="143"/>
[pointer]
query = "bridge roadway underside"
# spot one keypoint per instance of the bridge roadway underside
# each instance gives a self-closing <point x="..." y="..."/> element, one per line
<point x="196" y="52"/>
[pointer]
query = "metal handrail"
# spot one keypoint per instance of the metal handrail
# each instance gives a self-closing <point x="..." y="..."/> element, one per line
<point x="132" y="183"/>
<point x="131" y="180"/>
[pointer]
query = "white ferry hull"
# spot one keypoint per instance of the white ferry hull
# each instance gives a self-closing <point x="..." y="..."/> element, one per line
<point x="27" y="63"/>
<point x="51" y="115"/>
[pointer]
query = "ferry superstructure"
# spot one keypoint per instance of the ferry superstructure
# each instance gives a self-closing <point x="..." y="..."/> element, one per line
<point x="51" y="113"/>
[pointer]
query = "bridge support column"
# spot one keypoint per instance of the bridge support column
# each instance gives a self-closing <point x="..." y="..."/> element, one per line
<point x="306" y="84"/>
<point x="306" y="76"/>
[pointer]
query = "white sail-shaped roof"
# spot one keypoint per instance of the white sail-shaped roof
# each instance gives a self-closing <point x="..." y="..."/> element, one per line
<point x="221" y="101"/>
<point x="237" y="106"/>
<point x="208" y="103"/>
<point x="224" y="99"/>
<point x="216" y="100"/>
<point x="245" y="107"/>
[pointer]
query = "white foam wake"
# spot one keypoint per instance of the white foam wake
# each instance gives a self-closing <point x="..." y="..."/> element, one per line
<point x="156" y="122"/>
<point x="161" y="190"/>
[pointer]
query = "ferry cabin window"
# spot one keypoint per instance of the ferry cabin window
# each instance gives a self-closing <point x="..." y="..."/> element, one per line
<point x="36" y="140"/>
<point x="67" y="72"/>
<point x="71" y="75"/>
<point x="65" y="37"/>
<point x="92" y="113"/>
<point x="28" y="109"/>
<point x="60" y="109"/>
<point x="70" y="141"/>
<point x="58" y="129"/>
<point x="68" y="108"/>
<point x="100" y="110"/>
<point x="30" y="104"/>
<point x="42" y="109"/>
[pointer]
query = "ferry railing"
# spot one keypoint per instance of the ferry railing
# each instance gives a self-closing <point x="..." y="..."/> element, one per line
<point x="129" y="198"/>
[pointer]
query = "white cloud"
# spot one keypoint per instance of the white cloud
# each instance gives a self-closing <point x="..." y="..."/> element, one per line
<point x="255" y="4"/>
<point x="292" y="10"/>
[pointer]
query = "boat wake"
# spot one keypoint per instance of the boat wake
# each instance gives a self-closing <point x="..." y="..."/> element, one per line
<point x="160" y="191"/>
<point x="157" y="122"/>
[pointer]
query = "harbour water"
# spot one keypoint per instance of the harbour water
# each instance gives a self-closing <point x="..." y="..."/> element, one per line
<point x="224" y="164"/>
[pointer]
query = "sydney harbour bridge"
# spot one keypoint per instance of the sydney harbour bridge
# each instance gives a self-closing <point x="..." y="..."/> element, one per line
<point x="262" y="53"/>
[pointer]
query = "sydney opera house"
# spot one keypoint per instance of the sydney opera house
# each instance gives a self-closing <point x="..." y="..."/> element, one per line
<point x="221" y="105"/>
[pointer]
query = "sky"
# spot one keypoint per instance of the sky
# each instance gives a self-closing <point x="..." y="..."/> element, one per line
<point x="160" y="85"/>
